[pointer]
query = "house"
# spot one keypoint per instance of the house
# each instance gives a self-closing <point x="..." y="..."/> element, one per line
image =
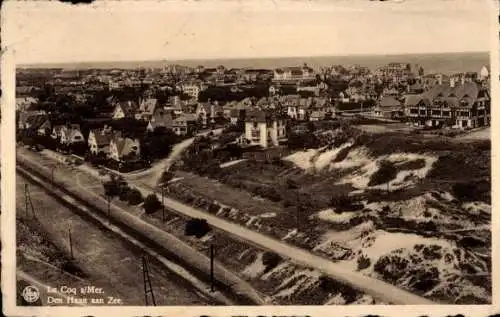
<point x="236" y="114"/>
<point x="293" y="73"/>
<point x="206" y="111"/>
<point x="484" y="73"/>
<point x="463" y="105"/>
<point x="99" y="141"/>
<point x="185" y="123"/>
<point x="265" y="129"/>
<point x="44" y="128"/>
<point x="388" y="107"/>
<point x="124" y="149"/>
<point x="24" y="103"/>
<point x="294" y="111"/>
<point x="146" y="109"/>
<point x="71" y="134"/>
<point x="161" y="118"/>
<point x="317" y="115"/>
<point x="125" y="109"/>
<point x="191" y="88"/>
<point x="25" y="119"/>
<point x="57" y="131"/>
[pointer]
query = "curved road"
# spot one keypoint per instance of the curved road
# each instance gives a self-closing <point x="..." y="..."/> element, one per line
<point x="379" y="289"/>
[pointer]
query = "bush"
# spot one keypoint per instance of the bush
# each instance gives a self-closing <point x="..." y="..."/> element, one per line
<point x="344" y="203"/>
<point x="197" y="227"/>
<point x="134" y="197"/>
<point x="112" y="188"/>
<point x="386" y="172"/>
<point x="152" y="204"/>
<point x="270" y="260"/>
<point x="124" y="193"/>
<point x="363" y="262"/>
<point x="471" y="191"/>
<point x="166" y="177"/>
<point x="391" y="267"/>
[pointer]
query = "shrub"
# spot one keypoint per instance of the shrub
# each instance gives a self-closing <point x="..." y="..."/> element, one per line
<point x="134" y="197"/>
<point x="270" y="260"/>
<point x="152" y="204"/>
<point x="343" y="203"/>
<point x="124" y="190"/>
<point x="363" y="262"/>
<point x="426" y="279"/>
<point x="471" y="191"/>
<point x="386" y="172"/>
<point x="166" y="177"/>
<point x="391" y="267"/>
<point x="112" y="188"/>
<point x="214" y="208"/>
<point x="432" y="252"/>
<point x="197" y="227"/>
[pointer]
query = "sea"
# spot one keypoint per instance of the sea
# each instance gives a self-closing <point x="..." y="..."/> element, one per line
<point x="447" y="63"/>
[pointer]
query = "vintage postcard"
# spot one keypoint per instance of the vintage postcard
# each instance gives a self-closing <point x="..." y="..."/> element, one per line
<point x="260" y="158"/>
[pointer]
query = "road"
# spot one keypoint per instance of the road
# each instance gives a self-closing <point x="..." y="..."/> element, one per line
<point x="156" y="237"/>
<point x="153" y="175"/>
<point x="378" y="289"/>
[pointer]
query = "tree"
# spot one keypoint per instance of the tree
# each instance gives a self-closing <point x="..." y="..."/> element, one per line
<point x="112" y="188"/>
<point x="197" y="227"/>
<point x="152" y="204"/>
<point x="134" y="197"/>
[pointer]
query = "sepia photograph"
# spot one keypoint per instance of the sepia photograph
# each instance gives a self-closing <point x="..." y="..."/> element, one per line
<point x="260" y="154"/>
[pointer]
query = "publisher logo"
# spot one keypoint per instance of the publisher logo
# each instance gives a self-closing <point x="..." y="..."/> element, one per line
<point x="31" y="294"/>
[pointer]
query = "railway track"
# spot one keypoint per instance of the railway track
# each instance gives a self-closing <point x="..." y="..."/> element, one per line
<point x="92" y="212"/>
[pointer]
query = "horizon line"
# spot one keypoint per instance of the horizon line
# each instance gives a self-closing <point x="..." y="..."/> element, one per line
<point x="41" y="64"/>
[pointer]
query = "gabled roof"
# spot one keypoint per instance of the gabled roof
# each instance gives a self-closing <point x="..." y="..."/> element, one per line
<point x="128" y="107"/>
<point x="102" y="137"/>
<point x="35" y="121"/>
<point x="125" y="146"/>
<point x="148" y="106"/>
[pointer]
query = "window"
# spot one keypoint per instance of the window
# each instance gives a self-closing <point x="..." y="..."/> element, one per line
<point x="446" y="113"/>
<point x="436" y="112"/>
<point x="423" y="112"/>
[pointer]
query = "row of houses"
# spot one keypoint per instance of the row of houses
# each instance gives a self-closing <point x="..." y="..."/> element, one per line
<point x="463" y="105"/>
<point x="103" y="141"/>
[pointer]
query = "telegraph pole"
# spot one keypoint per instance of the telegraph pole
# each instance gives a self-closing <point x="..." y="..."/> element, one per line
<point x="28" y="203"/>
<point x="148" y="289"/>
<point x="52" y="174"/>
<point x="108" y="198"/>
<point x="212" y="267"/>
<point x="163" y="203"/>
<point x="70" y="243"/>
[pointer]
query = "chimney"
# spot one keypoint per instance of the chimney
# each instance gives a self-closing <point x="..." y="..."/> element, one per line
<point x="440" y="80"/>
<point x="452" y="82"/>
<point x="462" y="78"/>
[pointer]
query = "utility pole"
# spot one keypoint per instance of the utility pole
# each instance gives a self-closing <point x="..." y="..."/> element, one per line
<point x="212" y="254"/>
<point x="70" y="243"/>
<point x="52" y="174"/>
<point x="148" y="289"/>
<point x="28" y="203"/>
<point x="108" y="198"/>
<point x="163" y="203"/>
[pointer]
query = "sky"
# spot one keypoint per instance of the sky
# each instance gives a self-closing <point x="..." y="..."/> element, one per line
<point x="53" y="32"/>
